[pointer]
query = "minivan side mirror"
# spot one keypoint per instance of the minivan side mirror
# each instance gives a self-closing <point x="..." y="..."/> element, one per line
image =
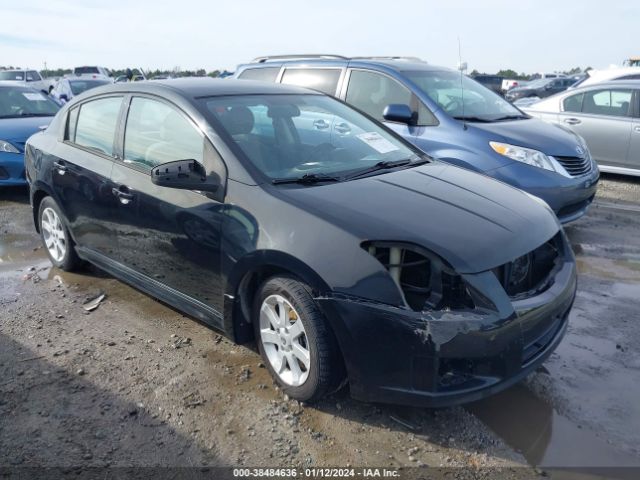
<point x="401" y="113"/>
<point x="183" y="174"/>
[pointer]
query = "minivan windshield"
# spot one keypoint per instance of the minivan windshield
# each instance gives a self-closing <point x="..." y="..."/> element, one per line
<point x="306" y="136"/>
<point x="18" y="102"/>
<point x="463" y="98"/>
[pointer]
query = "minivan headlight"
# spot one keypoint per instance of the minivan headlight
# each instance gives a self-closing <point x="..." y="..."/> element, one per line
<point x="524" y="155"/>
<point x="7" y="147"/>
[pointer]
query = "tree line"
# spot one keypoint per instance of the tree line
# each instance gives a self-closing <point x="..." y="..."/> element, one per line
<point x="116" y="72"/>
<point x="512" y="74"/>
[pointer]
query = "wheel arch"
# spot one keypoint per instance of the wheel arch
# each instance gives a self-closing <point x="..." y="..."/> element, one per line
<point x="246" y="277"/>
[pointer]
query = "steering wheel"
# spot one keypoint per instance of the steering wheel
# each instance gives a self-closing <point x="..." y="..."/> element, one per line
<point x="452" y="105"/>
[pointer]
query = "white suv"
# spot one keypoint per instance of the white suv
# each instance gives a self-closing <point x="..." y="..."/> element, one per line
<point x="92" y="71"/>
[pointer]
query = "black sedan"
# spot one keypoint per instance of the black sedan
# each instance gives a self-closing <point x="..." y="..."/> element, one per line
<point x="282" y="215"/>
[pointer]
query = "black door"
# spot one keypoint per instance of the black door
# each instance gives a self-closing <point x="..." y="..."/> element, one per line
<point x="81" y="173"/>
<point x="170" y="236"/>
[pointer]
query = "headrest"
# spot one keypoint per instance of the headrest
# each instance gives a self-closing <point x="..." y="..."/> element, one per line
<point x="286" y="111"/>
<point x="238" y="120"/>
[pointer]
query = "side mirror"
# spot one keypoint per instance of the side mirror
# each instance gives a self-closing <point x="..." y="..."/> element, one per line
<point x="183" y="174"/>
<point x="400" y="113"/>
<point x="64" y="97"/>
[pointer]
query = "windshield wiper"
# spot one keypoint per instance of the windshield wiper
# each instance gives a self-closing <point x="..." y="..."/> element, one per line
<point x="510" y="117"/>
<point x="20" y="115"/>
<point x="306" y="179"/>
<point x="473" y="119"/>
<point x="387" y="164"/>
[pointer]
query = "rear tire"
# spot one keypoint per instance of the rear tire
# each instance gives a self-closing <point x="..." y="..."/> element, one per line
<point x="55" y="236"/>
<point x="295" y="340"/>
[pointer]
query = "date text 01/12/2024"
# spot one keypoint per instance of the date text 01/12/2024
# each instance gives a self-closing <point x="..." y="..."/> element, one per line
<point x="316" y="472"/>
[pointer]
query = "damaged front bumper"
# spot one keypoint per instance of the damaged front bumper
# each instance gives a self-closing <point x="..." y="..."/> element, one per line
<point x="442" y="358"/>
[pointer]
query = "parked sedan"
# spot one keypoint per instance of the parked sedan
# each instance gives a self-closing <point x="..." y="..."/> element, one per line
<point x="346" y="254"/>
<point x="542" y="88"/>
<point x="607" y="116"/>
<point x="67" y="88"/>
<point x="23" y="111"/>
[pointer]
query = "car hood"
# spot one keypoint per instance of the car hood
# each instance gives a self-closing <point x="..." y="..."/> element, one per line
<point x="19" y="129"/>
<point x="531" y="133"/>
<point x="473" y="222"/>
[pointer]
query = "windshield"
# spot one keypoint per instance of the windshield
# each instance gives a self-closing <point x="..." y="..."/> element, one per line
<point x="291" y="136"/>
<point x="85" y="70"/>
<point x="539" y="83"/>
<point x="25" y="102"/>
<point x="473" y="101"/>
<point x="79" y="86"/>
<point x="15" y="76"/>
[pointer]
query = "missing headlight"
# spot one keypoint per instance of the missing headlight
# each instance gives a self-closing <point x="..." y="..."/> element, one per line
<point x="425" y="280"/>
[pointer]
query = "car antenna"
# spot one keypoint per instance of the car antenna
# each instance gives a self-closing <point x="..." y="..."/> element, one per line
<point x="461" y="68"/>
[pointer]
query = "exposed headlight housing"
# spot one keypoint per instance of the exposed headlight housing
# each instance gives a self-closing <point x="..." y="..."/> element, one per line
<point x="426" y="281"/>
<point x="7" y="147"/>
<point x="524" y="155"/>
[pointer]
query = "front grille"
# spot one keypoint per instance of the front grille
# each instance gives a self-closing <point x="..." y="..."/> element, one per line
<point x="531" y="273"/>
<point x="575" y="166"/>
<point x="3" y="174"/>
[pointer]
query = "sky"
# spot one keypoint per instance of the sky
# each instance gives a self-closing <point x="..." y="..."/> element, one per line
<point x="524" y="35"/>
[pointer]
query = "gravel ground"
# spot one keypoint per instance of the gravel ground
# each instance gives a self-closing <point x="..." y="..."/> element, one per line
<point x="135" y="383"/>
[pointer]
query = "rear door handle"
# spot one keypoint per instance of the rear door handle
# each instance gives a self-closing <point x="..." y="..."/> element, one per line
<point x="572" y="121"/>
<point x="123" y="194"/>
<point x="637" y="128"/>
<point x="342" y="129"/>
<point x="61" y="167"/>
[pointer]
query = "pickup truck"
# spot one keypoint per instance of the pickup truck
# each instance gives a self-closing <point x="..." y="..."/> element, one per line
<point x="26" y="78"/>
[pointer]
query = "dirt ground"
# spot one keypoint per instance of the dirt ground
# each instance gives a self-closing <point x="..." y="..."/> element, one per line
<point x="135" y="383"/>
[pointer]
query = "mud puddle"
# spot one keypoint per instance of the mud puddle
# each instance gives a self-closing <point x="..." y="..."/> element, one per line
<point x="545" y="438"/>
<point x="18" y="248"/>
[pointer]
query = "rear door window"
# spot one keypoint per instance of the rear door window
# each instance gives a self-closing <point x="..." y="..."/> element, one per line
<point x="612" y="102"/>
<point x="266" y="74"/>
<point x="96" y="124"/>
<point x="323" y="79"/>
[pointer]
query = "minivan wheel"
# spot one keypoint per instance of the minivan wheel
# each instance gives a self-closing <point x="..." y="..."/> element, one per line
<point x="55" y="236"/>
<point x="295" y="341"/>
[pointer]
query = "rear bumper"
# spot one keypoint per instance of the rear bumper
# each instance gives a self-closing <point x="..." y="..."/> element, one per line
<point x="12" y="169"/>
<point x="568" y="197"/>
<point x="437" y="359"/>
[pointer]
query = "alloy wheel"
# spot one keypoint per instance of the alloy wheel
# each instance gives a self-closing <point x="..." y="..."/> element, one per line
<point x="284" y="340"/>
<point x="53" y="234"/>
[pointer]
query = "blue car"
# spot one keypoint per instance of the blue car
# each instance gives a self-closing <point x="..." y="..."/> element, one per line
<point x="451" y="117"/>
<point x="23" y="112"/>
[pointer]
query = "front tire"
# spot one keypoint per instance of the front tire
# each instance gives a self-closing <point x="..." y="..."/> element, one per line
<point x="295" y="340"/>
<point x="55" y="236"/>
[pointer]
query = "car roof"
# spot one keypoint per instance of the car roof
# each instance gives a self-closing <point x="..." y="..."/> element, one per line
<point x="613" y="84"/>
<point x="399" y="64"/>
<point x="203" y="87"/>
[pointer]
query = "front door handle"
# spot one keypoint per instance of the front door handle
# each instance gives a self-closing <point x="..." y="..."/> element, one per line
<point x="572" y="121"/>
<point x="60" y="167"/>
<point x="637" y="128"/>
<point x="123" y="194"/>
